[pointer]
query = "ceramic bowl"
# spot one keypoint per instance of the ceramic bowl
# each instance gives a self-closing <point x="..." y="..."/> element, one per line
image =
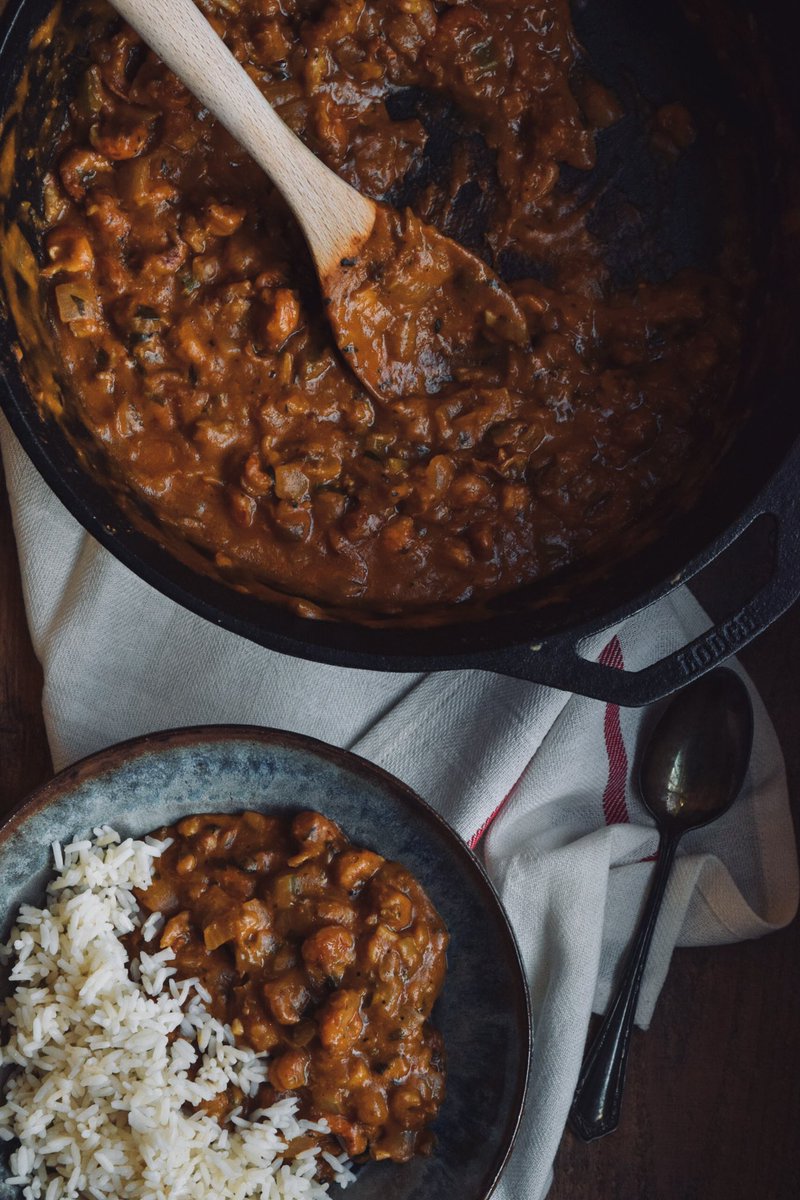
<point x="483" y="1012"/>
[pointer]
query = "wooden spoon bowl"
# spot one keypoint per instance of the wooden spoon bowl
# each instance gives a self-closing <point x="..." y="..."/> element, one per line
<point x="411" y="310"/>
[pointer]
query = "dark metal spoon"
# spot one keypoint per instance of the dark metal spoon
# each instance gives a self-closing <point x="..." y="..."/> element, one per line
<point x="690" y="773"/>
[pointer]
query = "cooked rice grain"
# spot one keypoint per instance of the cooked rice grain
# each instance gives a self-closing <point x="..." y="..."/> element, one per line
<point x="99" y="1097"/>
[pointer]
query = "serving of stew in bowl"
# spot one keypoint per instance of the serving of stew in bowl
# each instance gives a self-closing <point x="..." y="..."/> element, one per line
<point x="316" y="919"/>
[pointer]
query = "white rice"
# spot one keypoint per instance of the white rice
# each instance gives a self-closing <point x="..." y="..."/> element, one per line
<point x="99" y="1098"/>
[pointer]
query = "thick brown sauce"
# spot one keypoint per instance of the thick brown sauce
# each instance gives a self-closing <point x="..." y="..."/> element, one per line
<point x="414" y="312"/>
<point x="323" y="954"/>
<point x="196" y="349"/>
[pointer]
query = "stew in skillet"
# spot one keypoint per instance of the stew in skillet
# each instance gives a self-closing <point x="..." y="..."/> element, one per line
<point x="195" y="348"/>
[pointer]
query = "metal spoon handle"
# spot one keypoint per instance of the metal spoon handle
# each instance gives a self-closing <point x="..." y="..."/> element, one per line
<point x="598" y="1095"/>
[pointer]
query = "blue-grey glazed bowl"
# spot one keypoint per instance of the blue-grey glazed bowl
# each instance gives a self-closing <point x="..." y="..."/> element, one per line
<point x="483" y="1012"/>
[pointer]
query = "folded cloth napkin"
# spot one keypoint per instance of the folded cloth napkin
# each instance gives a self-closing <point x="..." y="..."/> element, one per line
<point x="536" y="780"/>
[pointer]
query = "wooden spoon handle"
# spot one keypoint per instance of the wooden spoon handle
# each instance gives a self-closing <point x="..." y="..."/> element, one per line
<point x="335" y="218"/>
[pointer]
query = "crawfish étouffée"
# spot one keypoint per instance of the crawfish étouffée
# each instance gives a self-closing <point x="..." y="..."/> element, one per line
<point x="323" y="954"/>
<point x="194" y="345"/>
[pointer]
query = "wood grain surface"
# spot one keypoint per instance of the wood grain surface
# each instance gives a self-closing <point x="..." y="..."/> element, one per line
<point x="712" y="1108"/>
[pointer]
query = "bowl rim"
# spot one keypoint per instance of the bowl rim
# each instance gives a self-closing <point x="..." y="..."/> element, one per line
<point x="93" y="766"/>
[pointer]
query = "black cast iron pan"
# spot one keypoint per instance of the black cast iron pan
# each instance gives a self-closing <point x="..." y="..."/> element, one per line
<point x="652" y="53"/>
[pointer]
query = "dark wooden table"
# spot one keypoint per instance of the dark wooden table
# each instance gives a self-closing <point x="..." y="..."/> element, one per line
<point x="712" y="1109"/>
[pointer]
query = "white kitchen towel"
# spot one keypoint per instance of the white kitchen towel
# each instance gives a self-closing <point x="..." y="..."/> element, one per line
<point x="536" y="780"/>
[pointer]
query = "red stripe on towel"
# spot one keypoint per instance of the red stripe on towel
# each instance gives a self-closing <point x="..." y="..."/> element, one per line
<point x="476" y="837"/>
<point x="615" y="808"/>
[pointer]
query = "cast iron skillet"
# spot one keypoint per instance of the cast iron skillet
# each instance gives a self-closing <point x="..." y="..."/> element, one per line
<point x="650" y="54"/>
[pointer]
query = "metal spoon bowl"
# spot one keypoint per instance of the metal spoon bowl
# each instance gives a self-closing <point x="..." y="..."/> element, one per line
<point x="691" y="771"/>
<point x="694" y="763"/>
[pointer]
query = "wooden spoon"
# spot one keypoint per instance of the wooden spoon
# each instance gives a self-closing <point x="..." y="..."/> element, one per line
<point x="410" y="309"/>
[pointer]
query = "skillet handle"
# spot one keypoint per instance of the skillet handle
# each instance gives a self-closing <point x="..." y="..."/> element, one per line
<point x="557" y="662"/>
